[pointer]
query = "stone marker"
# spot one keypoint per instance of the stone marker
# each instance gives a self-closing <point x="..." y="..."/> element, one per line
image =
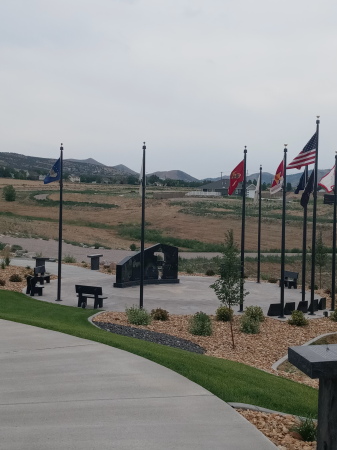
<point x="320" y="361"/>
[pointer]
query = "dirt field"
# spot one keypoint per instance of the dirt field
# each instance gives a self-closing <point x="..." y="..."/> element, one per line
<point x="28" y="217"/>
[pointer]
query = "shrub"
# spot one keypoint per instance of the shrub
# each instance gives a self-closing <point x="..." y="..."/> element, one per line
<point x="3" y="265"/>
<point x="209" y="272"/>
<point x="15" y="247"/>
<point x="2" y="282"/>
<point x="138" y="316"/>
<point x="9" y="193"/>
<point x="272" y="280"/>
<point x="159" y="314"/>
<point x="307" y="428"/>
<point x="189" y="270"/>
<point x="133" y="247"/>
<point x="15" y="278"/>
<point x="200" y="324"/>
<point x="298" y="319"/>
<point x="249" y="325"/>
<point x="333" y="315"/>
<point x="69" y="259"/>
<point x="224" y="314"/>
<point x="255" y="313"/>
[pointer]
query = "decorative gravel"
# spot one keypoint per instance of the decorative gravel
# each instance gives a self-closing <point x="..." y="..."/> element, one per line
<point x="151" y="336"/>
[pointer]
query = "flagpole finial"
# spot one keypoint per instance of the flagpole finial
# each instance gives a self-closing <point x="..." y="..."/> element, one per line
<point x="144" y="146"/>
<point x="317" y="121"/>
<point x="61" y="148"/>
<point x="245" y="150"/>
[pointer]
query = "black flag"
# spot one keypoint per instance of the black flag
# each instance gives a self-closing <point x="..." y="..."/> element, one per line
<point x="308" y="190"/>
<point x="301" y="183"/>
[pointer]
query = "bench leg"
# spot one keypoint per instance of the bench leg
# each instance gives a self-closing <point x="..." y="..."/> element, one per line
<point x="84" y="304"/>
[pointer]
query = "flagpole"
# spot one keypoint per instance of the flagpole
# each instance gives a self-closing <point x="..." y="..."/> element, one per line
<point x="141" y="290"/>
<point x="333" y="280"/>
<point x="59" y="261"/>
<point x="259" y="231"/>
<point x="314" y="214"/>
<point x="243" y="229"/>
<point x="283" y="240"/>
<point x="304" y="239"/>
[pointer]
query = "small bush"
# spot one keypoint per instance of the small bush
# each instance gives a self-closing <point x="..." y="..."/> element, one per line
<point x="298" y="319"/>
<point x="15" y="247"/>
<point x="272" y="280"/>
<point x="28" y="267"/>
<point x="97" y="245"/>
<point x="255" y="313"/>
<point x="138" y="316"/>
<point x="159" y="314"/>
<point x="2" y="282"/>
<point x="200" y="324"/>
<point x="133" y="247"/>
<point x="69" y="259"/>
<point x="189" y="270"/>
<point x="210" y="272"/>
<point x="333" y="315"/>
<point x="315" y="287"/>
<point x="15" y="278"/>
<point x="307" y="428"/>
<point x="249" y="325"/>
<point x="3" y="265"/>
<point x="224" y="314"/>
<point x="9" y="193"/>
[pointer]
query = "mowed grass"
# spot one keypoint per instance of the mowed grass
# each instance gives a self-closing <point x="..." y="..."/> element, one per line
<point x="228" y="380"/>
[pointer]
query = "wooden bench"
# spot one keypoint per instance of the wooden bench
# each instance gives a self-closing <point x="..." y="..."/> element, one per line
<point x="85" y="292"/>
<point x="290" y="279"/>
<point x="32" y="286"/>
<point x="41" y="275"/>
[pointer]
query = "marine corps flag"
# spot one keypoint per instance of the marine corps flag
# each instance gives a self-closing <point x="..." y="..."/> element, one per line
<point x="278" y="179"/>
<point x="236" y="177"/>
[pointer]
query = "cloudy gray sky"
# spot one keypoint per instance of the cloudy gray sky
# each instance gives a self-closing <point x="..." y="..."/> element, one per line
<point x="196" y="80"/>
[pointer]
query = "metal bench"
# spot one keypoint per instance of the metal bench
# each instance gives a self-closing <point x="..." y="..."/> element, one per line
<point x="32" y="286"/>
<point x="41" y="275"/>
<point x="290" y="279"/>
<point x="85" y="292"/>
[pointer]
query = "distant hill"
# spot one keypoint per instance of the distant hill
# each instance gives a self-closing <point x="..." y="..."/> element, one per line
<point x="86" y="161"/>
<point x="125" y="169"/>
<point x="174" y="175"/>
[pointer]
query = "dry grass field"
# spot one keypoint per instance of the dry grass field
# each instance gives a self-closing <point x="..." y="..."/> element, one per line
<point x="98" y="213"/>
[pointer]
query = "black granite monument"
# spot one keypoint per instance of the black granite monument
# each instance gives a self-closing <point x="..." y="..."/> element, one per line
<point x="156" y="270"/>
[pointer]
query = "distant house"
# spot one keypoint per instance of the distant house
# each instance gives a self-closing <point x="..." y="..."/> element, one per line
<point x="250" y="191"/>
<point x="74" y="179"/>
<point x="42" y="177"/>
<point x="220" y="186"/>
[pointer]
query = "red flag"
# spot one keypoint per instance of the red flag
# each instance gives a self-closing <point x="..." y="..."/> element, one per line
<point x="278" y="179"/>
<point x="236" y="177"/>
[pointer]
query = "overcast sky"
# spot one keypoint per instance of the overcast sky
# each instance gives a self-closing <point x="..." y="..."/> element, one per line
<point x="197" y="80"/>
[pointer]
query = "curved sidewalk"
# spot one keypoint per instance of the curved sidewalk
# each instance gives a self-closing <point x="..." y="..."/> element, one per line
<point x="63" y="392"/>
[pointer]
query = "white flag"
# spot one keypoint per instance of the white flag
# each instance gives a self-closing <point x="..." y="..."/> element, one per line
<point x="328" y="181"/>
<point x="257" y="190"/>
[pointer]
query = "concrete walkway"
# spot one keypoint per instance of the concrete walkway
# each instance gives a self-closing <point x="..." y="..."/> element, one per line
<point x="62" y="392"/>
<point x="192" y="294"/>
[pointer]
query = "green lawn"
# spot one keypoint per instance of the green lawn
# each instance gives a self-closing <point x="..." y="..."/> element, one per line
<point x="230" y="381"/>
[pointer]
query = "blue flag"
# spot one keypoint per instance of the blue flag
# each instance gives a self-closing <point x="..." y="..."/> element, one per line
<point x="54" y="173"/>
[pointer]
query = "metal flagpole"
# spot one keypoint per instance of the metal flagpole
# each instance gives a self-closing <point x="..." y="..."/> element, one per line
<point x="259" y="232"/>
<point x="59" y="266"/>
<point x="333" y="280"/>
<point x="243" y="229"/>
<point x="141" y="291"/>
<point x="304" y="239"/>
<point x="314" y="214"/>
<point x="283" y="241"/>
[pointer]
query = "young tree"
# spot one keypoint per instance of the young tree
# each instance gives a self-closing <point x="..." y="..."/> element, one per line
<point x="228" y="287"/>
<point x="321" y="256"/>
<point x="9" y="193"/>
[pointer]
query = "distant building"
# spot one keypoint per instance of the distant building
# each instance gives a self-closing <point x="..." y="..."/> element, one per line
<point x="221" y="186"/>
<point x="250" y="191"/>
<point x="74" y="179"/>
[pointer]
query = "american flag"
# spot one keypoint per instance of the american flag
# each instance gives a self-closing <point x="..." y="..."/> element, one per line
<point x="306" y="156"/>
